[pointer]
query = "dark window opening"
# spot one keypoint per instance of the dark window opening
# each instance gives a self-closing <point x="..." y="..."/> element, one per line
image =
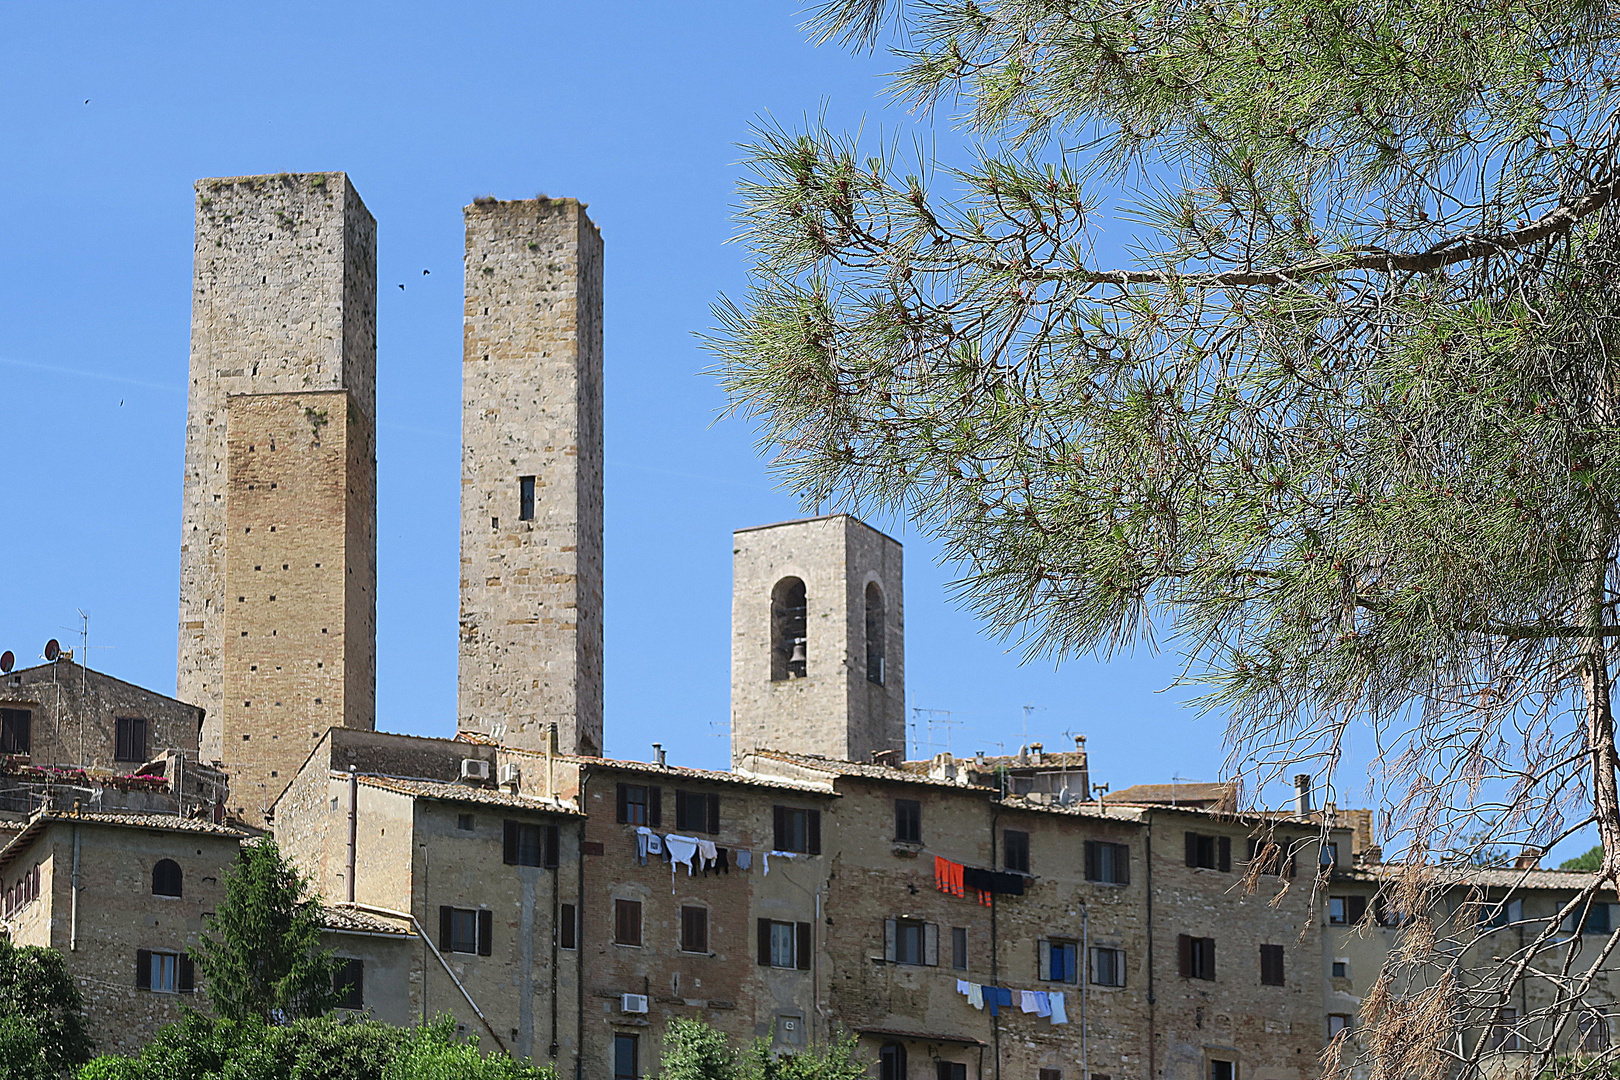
<point x="950" y="1070"/>
<point x="908" y="821"/>
<point x="1197" y="955"/>
<point x="349" y="980"/>
<point x="694" y="929"/>
<point x="1107" y="966"/>
<point x="526" y="844"/>
<point x="892" y="1062"/>
<point x="1108" y="863"/>
<point x="166" y="878"/>
<point x="164" y="972"/>
<point x="1271" y="965"/>
<point x="1270" y="857"/>
<point x="130" y="741"/>
<point x="783" y="944"/>
<point x="626" y="1056"/>
<point x="1346" y="910"/>
<point x="525" y="498"/>
<point x="464" y="822"/>
<point x="875" y="643"/>
<point x="1222" y="1070"/>
<point x="1059" y="961"/>
<point x="789" y="624"/>
<point x="627" y="922"/>
<point x="640" y="804"/>
<point x="1209" y="852"/>
<point x="797" y="830"/>
<point x="959" y="948"/>
<point x="697" y="811"/>
<point x="16" y="731"/>
<point x="1015" y="855"/>
<point x="567" y="926"/>
<point x="466" y="930"/>
<point x="911" y="942"/>
<point x="1050" y="1074"/>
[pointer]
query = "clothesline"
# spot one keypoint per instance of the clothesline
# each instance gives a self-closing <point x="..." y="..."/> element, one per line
<point x="1047" y="1003"/>
<point x="689" y="850"/>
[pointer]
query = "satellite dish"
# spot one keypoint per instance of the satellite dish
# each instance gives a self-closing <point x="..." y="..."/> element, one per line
<point x="53" y="649"/>
<point x="7" y="661"/>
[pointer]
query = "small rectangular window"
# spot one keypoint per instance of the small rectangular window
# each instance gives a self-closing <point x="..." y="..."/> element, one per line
<point x="1337" y="1024"/>
<point x="349" y="980"/>
<point x="1107" y="966"/>
<point x="1336" y="911"/>
<point x="1197" y="956"/>
<point x="784" y="944"/>
<point x="1015" y="854"/>
<point x="163" y="972"/>
<point x="567" y="926"/>
<point x="797" y="830"/>
<point x="950" y="1070"/>
<point x="1597" y="919"/>
<point x="1222" y="1070"/>
<point x="1341" y="967"/>
<point x="626" y="1056"/>
<point x="640" y="804"/>
<point x="465" y="930"/>
<point x="627" y="922"/>
<point x="1330" y="853"/>
<point x="16" y="731"/>
<point x="129" y="743"/>
<point x="528" y="844"/>
<point x="1050" y="1074"/>
<point x="908" y="821"/>
<point x="1271" y="965"/>
<point x="694" y="929"/>
<point x="525" y="498"/>
<point x="697" y="811"/>
<point x="464" y="823"/>
<point x="1059" y="961"/>
<point x="959" y="939"/>
<point x="1108" y="863"/>
<point x="1209" y="852"/>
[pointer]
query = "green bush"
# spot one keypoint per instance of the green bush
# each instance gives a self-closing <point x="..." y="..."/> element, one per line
<point x="42" y="1030"/>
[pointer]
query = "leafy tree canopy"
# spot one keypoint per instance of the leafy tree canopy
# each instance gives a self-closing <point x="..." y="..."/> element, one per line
<point x="695" y="1051"/>
<point x="42" y="1028"/>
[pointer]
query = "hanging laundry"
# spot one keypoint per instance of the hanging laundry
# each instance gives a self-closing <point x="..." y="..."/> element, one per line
<point x="993" y="881"/>
<point x="1026" y="1001"/>
<point x="647" y="843"/>
<point x="745" y="858"/>
<point x="681" y="850"/>
<point x="982" y="897"/>
<point x="1043" y="1003"/>
<point x="976" y="996"/>
<point x="948" y="876"/>
<point x="765" y="858"/>
<point x="998" y="998"/>
<point x="964" y="988"/>
<point x="1060" y="1014"/>
<point x="707" y="850"/>
<point x="722" y="861"/>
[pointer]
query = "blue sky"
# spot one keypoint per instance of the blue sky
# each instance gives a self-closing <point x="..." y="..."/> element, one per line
<point x="109" y="113"/>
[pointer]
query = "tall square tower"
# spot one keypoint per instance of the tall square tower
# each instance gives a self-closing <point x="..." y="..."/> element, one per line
<point x="278" y="556"/>
<point x="531" y="476"/>
<point x="818" y="642"/>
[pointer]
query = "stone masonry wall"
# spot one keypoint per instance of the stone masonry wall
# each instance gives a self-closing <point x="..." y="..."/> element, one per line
<point x="834" y="711"/>
<point x="284" y="300"/>
<point x="74" y="713"/>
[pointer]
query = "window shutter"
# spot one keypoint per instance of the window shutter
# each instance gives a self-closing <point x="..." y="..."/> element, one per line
<point x="814" y="829"/>
<point x="931" y="944"/>
<point x="803" y="951"/>
<point x="446" y="915"/>
<point x="1355" y="909"/>
<point x="778" y="826"/>
<point x="509" y="842"/>
<point x="683" y="809"/>
<point x="763" y="927"/>
<point x="550" y="858"/>
<point x="891" y="949"/>
<point x="143" y="969"/>
<point x="1225" y="860"/>
<point x="624" y="804"/>
<point x="1044" y="963"/>
<point x="655" y="806"/>
<point x="1184" y="946"/>
<point x="1091" y="860"/>
<point x="1209" y="958"/>
<point x="187" y="974"/>
<point x="1122" y="863"/>
<point x="714" y="815"/>
<point x="486" y="932"/>
<point x="1192" y="848"/>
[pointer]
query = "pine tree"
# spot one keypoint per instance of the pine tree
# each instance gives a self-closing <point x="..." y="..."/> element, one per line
<point x="263" y="961"/>
<point x="41" y="1013"/>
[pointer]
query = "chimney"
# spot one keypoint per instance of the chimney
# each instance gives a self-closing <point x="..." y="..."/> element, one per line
<point x="1302" y="794"/>
<point x="1528" y="859"/>
<point x="658" y="755"/>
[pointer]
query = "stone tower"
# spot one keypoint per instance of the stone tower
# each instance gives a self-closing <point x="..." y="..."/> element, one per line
<point x="817" y="640"/>
<point x="278" y="557"/>
<point x="531" y="476"/>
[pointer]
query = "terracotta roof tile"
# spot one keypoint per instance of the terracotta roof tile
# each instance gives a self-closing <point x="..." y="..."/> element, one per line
<point x="462" y="793"/>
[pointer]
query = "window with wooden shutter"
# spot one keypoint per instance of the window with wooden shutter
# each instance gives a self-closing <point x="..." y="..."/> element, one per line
<point x="1015" y="850"/>
<point x="796" y="829"/>
<point x="567" y="926"/>
<point x="627" y="922"/>
<point x="1209" y="852"/>
<point x="1355" y="909"/>
<point x="130" y="738"/>
<point x="143" y="969"/>
<point x="486" y="932"/>
<point x="959" y="948"/>
<point x="694" y="929"/>
<point x="762" y="940"/>
<point x="908" y="821"/>
<point x="1271" y="965"/>
<point x="1108" y="863"/>
<point x="349" y="980"/>
<point x="640" y="804"/>
<point x="525" y="843"/>
<point x="188" y="974"/>
<point x="801" y="954"/>
<point x="16" y="731"/>
<point x="1224" y="844"/>
<point x="697" y="811"/>
<point x="1197" y="956"/>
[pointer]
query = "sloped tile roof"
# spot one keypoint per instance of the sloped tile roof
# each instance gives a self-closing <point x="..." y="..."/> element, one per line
<point x="350" y="920"/>
<point x="158" y="822"/>
<point x="462" y="793"/>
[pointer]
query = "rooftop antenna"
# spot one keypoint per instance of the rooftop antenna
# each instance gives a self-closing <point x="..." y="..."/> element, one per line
<point x="8" y="660"/>
<point x="933" y="719"/>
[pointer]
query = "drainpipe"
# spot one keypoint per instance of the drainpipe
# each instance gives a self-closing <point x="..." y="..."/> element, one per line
<point x="995" y="957"/>
<point x="1085" y="982"/>
<point x="1153" y="1037"/>
<point x="579" y="935"/>
<point x="73" y="925"/>
<point x="556" y="889"/>
<point x="354" y="827"/>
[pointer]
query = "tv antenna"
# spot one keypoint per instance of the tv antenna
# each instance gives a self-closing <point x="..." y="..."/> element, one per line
<point x="936" y="718"/>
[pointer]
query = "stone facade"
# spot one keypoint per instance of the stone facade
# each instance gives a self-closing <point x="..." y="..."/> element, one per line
<point x="72" y="716"/>
<point x="531" y="476"/>
<point x="832" y="584"/>
<point x="307" y="324"/>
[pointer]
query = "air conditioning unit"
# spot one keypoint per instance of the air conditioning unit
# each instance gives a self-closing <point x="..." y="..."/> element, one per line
<point x="633" y="1003"/>
<point x="474" y="769"/>
<point x="510" y="773"/>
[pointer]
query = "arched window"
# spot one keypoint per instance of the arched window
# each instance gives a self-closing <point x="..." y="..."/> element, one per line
<point x="874" y="633"/>
<point x="789" y="658"/>
<point x="892" y="1062"/>
<point x="166" y="878"/>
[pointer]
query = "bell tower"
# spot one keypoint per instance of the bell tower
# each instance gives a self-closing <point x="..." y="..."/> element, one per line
<point x="818" y="643"/>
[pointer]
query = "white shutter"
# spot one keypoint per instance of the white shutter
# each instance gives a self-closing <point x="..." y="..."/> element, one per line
<point x="1045" y="971"/>
<point x="890" y="949"/>
<point x="931" y="944"/>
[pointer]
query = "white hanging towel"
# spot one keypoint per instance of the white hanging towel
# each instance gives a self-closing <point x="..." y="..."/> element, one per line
<point x="766" y="858"/>
<point x="976" y="996"/>
<point x="681" y="850"/>
<point x="1026" y="1001"/>
<point x="707" y="850"/>
<point x="1059" y="1014"/>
